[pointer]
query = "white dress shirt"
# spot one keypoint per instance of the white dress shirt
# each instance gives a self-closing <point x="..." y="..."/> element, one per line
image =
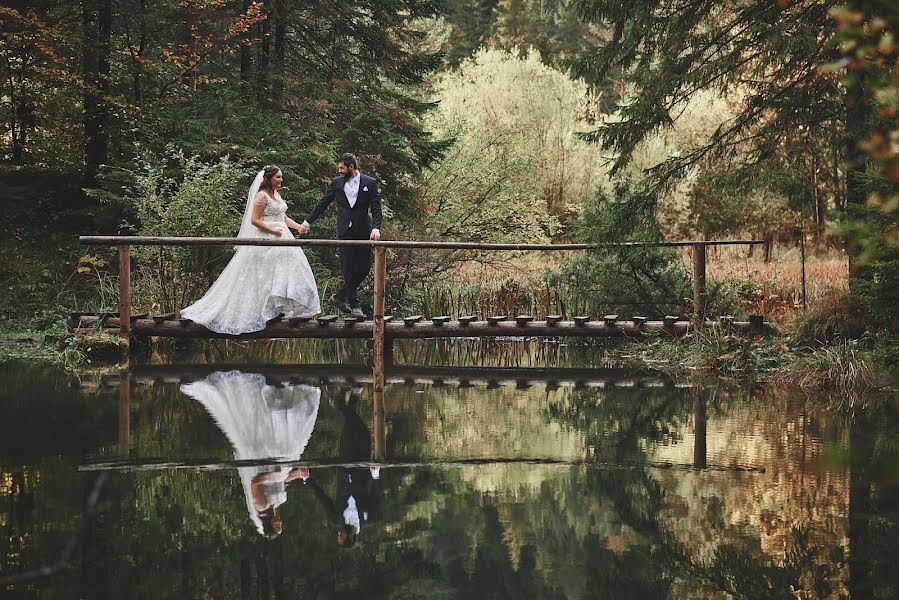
<point x="351" y="189"/>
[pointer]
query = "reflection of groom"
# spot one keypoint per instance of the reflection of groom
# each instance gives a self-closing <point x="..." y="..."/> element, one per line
<point x="355" y="193"/>
<point x="358" y="490"/>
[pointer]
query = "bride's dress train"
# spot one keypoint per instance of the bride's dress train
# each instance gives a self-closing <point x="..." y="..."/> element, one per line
<point x="261" y="421"/>
<point x="259" y="283"/>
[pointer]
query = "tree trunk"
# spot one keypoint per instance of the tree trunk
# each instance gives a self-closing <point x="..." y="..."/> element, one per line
<point x="839" y="201"/>
<point x="246" y="60"/>
<point x="137" y="74"/>
<point x="22" y="121"/>
<point x="263" y="74"/>
<point x="97" y="22"/>
<point x="857" y="110"/>
<point x="190" y="43"/>
<point x="280" y="30"/>
<point x="820" y="205"/>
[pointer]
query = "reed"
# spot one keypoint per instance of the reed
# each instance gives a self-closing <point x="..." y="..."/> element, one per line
<point x="775" y="287"/>
<point x="843" y="371"/>
<point x="738" y="282"/>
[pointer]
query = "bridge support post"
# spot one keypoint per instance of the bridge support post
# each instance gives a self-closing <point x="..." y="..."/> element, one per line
<point x="699" y="291"/>
<point x="378" y="344"/>
<point x="700" y="427"/>
<point x="124" y="412"/>
<point x="125" y="302"/>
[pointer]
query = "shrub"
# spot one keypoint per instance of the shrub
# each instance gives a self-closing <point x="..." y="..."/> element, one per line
<point x="190" y="198"/>
<point x="624" y="279"/>
<point x="835" y="317"/>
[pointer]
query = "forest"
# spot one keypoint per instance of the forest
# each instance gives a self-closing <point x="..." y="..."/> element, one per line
<point x="483" y="120"/>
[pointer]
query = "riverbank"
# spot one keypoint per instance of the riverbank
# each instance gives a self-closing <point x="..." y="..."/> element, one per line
<point x="852" y="373"/>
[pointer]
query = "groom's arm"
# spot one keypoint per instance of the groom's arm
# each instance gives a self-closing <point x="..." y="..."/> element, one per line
<point x="322" y="205"/>
<point x="376" y="210"/>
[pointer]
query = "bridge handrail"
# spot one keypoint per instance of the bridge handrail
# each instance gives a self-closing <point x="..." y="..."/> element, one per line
<point x="125" y="242"/>
<point x="136" y="240"/>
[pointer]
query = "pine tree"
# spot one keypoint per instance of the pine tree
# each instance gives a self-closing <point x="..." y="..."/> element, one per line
<point x="516" y="26"/>
<point x="769" y="51"/>
<point x="783" y="61"/>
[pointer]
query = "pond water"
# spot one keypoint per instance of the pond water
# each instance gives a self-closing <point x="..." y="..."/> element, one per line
<point x="548" y="476"/>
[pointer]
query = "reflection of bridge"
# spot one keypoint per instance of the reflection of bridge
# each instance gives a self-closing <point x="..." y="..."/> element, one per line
<point x="521" y="377"/>
<point x="159" y="465"/>
<point x="379" y="378"/>
<point x="382" y="329"/>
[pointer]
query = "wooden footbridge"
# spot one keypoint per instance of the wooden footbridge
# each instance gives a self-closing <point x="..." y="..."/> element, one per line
<point x="381" y="328"/>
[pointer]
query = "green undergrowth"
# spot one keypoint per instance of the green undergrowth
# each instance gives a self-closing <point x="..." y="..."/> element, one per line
<point x="67" y="351"/>
<point x="830" y="351"/>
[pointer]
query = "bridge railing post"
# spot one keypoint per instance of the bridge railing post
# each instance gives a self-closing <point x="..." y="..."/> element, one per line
<point x="125" y="301"/>
<point x="378" y="344"/>
<point x="378" y="308"/>
<point x="699" y="290"/>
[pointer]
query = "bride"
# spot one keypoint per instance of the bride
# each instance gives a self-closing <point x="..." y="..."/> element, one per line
<point x="260" y="282"/>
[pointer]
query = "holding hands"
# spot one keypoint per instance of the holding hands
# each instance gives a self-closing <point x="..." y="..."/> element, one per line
<point x="298" y="473"/>
<point x="303" y="229"/>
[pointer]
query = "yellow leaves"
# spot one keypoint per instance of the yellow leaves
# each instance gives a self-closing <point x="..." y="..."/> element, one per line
<point x="844" y="16"/>
<point x="887" y="44"/>
<point x="89" y="261"/>
<point x="885" y="204"/>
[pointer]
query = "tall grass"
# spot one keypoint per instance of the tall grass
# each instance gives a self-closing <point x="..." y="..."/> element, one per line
<point x="775" y="287"/>
<point x="738" y="283"/>
<point x="834" y="352"/>
<point x="843" y="367"/>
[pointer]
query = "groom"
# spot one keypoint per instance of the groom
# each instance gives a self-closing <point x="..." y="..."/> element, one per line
<point x="355" y="194"/>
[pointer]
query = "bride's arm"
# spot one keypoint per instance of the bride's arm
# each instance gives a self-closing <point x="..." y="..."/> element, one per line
<point x="291" y="223"/>
<point x="258" y="207"/>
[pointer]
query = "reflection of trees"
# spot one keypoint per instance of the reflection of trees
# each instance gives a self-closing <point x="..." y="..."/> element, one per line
<point x="185" y="534"/>
<point x="619" y="421"/>
<point x="45" y="428"/>
<point x="626" y="427"/>
<point x="456" y="422"/>
<point x="874" y="506"/>
<point x="615" y="529"/>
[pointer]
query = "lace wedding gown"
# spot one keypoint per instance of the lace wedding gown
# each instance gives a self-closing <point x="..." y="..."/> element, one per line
<point x="261" y="421"/>
<point x="259" y="283"/>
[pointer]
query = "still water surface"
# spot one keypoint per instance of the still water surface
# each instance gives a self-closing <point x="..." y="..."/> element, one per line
<point x="284" y="482"/>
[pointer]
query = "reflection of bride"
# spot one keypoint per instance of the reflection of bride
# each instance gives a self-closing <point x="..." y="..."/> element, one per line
<point x="261" y="421"/>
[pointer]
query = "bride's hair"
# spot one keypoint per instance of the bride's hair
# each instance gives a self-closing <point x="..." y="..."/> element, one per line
<point x="268" y="171"/>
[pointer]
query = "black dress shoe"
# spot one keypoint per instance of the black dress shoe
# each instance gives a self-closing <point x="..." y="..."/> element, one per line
<point x="342" y="306"/>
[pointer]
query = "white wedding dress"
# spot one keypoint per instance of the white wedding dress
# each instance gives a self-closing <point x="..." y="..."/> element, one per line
<point x="259" y="283"/>
<point x="261" y="421"/>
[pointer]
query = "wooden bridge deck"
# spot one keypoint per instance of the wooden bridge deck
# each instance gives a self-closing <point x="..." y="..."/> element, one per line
<point x="330" y="326"/>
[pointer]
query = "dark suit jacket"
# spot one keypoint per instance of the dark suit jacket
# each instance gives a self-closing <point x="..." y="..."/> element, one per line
<point x="352" y="223"/>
